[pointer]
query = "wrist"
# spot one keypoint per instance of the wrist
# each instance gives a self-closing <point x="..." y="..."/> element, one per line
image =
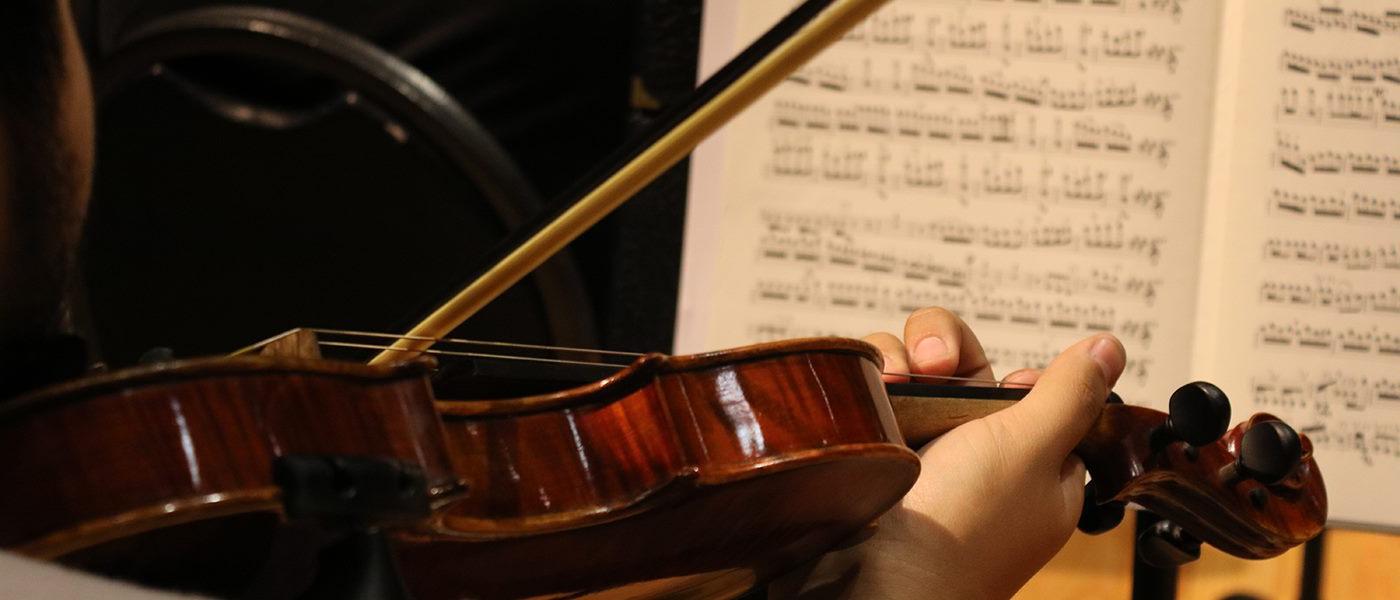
<point x="907" y="557"/>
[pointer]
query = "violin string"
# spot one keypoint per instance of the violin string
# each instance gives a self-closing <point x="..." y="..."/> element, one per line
<point x="469" y="354"/>
<point x="393" y="336"/>
<point x="969" y="380"/>
<point x="456" y="353"/>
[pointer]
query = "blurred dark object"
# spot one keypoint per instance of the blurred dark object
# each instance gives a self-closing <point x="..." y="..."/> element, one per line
<point x="26" y="364"/>
<point x="551" y="81"/>
<point x="1150" y="582"/>
<point x="548" y="79"/>
<point x="647" y="256"/>
<point x="260" y="171"/>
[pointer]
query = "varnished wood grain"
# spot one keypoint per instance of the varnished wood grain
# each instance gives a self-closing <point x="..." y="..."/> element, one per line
<point x="691" y="474"/>
<point x="697" y="475"/>
<point x="104" y="472"/>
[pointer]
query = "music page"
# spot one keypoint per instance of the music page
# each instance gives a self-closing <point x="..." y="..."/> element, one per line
<point x="1300" y="306"/>
<point x="1038" y="167"/>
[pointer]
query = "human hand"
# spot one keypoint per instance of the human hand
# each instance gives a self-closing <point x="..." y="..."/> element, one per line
<point x="997" y="496"/>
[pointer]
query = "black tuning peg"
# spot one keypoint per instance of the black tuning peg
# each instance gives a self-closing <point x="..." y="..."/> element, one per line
<point x="1165" y="544"/>
<point x="1269" y="451"/>
<point x="1095" y="518"/>
<point x="1198" y="414"/>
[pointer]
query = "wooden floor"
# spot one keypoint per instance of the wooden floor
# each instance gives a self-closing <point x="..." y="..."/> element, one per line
<point x="1356" y="565"/>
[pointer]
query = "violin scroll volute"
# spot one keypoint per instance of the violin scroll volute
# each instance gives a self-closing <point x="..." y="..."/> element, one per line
<point x="1256" y="507"/>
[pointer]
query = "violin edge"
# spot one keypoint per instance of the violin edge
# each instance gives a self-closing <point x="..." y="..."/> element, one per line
<point x="196" y="368"/>
<point x="643" y="370"/>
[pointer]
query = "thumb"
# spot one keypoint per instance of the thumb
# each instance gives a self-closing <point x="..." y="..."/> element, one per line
<point x="1068" y="397"/>
<point x="1071" y="491"/>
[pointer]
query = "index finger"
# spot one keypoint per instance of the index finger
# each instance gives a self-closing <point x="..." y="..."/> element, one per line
<point x="940" y="343"/>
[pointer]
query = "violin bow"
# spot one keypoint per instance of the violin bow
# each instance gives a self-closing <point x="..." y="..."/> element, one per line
<point x="815" y="25"/>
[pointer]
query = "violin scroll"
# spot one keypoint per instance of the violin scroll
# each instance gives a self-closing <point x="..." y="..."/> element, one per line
<point x="1253" y="492"/>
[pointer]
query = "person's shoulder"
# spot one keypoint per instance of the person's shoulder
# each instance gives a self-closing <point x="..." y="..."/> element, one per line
<point x="23" y="578"/>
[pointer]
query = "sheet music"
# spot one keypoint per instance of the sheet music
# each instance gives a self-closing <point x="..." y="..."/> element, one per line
<point x="1301" y="305"/>
<point x="1036" y="166"/>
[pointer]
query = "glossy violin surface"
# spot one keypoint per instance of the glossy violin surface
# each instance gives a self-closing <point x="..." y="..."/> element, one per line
<point x="796" y="414"/>
<point x="700" y="475"/>
<point x="164" y="474"/>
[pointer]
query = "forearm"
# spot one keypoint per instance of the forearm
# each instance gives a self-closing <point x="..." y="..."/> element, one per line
<point x="909" y="557"/>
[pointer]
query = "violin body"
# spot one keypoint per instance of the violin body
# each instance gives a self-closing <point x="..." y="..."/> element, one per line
<point x="698" y="476"/>
<point x="694" y="476"/>
<point x="164" y="474"/>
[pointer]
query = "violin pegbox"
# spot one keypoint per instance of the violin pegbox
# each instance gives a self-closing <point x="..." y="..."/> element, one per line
<point x="1253" y="492"/>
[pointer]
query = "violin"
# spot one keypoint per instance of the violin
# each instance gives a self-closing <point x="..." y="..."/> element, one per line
<point x="734" y="466"/>
<point x="164" y="474"/>
<point x="704" y="475"/>
<point x="127" y="473"/>
<point x="696" y="475"/>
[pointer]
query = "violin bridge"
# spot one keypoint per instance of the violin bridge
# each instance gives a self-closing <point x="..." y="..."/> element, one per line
<point x="297" y="343"/>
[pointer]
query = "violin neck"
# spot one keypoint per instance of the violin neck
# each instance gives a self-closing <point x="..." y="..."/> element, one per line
<point x="925" y="412"/>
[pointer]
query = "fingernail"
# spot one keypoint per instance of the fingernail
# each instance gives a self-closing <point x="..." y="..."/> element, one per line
<point x="1109" y="356"/>
<point x="1023" y="376"/>
<point x="930" y="349"/>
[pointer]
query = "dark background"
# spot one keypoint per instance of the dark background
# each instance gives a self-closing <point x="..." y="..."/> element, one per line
<point x="554" y="82"/>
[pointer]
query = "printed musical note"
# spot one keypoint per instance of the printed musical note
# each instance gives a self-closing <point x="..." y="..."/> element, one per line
<point x="1361" y="107"/>
<point x="925" y="79"/>
<point x="1360" y="70"/>
<point x="1330" y="162"/>
<point x="1002" y="131"/>
<point x="1094" y="237"/>
<point x="1334" y="18"/>
<point x="1043" y="168"/>
<point x="1352" y="206"/>
<point x="1137" y="8"/>
<point x="1033" y="39"/>
<point x="1038" y="182"/>
<point x="1352" y="257"/>
<point x="1374" y="342"/>
<point x="1310" y="312"/>
<point x="1025" y="163"/>
<point x="1371" y="440"/>
<point x="813" y="250"/>
<point x="1343" y="411"/>
<point x="1060" y="316"/>
<point x="1003" y="359"/>
<point x="1333" y="296"/>
<point x="782" y="329"/>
